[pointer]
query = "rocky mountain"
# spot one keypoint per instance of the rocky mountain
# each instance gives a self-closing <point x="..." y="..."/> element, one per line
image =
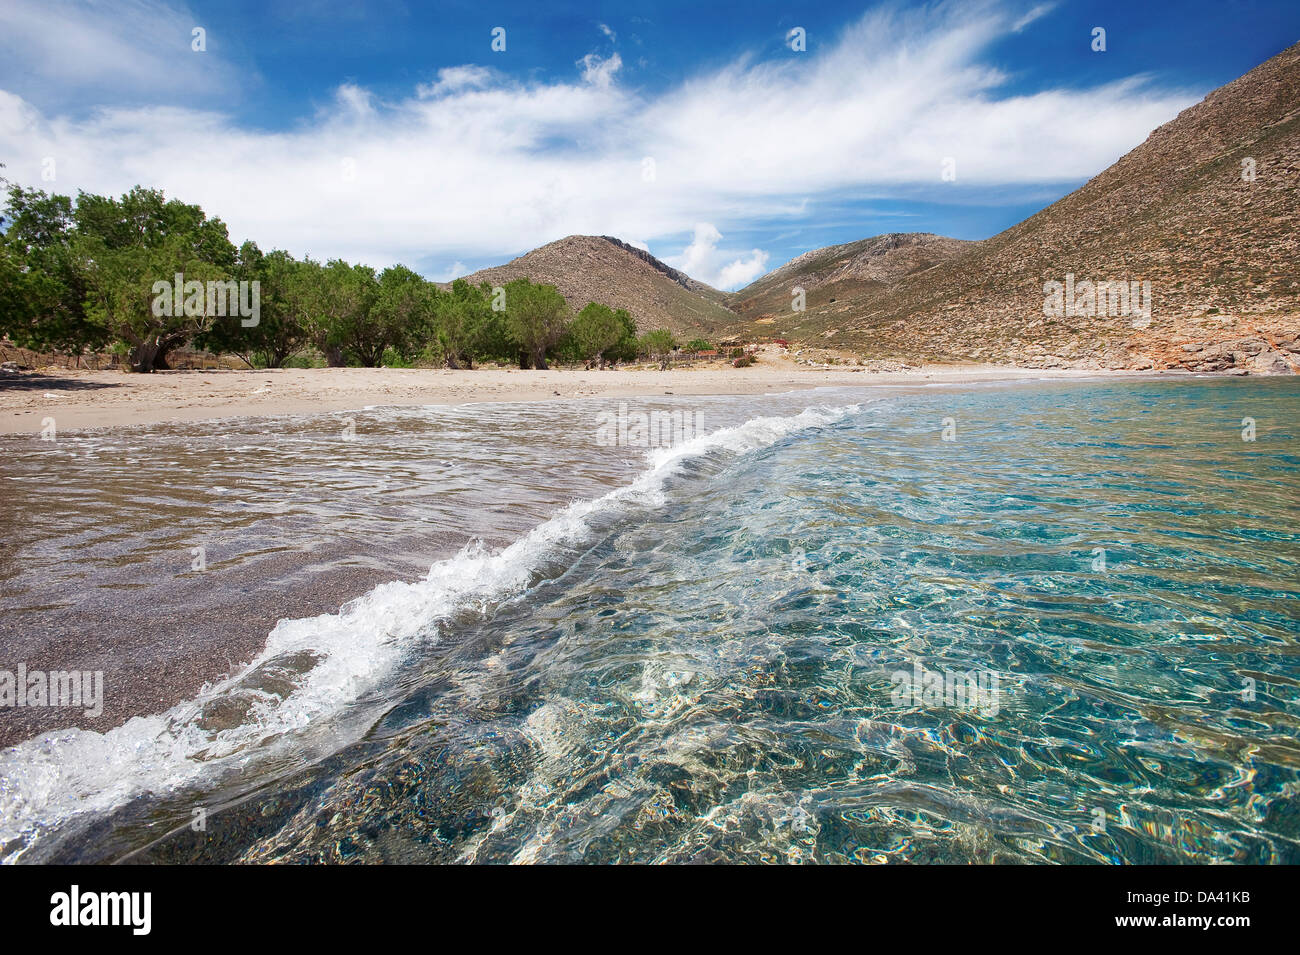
<point x="588" y="268"/>
<point x="844" y="272"/>
<point x="1205" y="211"/>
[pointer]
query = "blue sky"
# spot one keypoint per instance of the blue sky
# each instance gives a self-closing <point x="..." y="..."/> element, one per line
<point x="387" y="132"/>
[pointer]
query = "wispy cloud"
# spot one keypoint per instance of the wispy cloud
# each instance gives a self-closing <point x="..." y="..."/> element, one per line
<point x="142" y="49"/>
<point x="480" y="166"/>
<point x="598" y="71"/>
<point x="1035" y="13"/>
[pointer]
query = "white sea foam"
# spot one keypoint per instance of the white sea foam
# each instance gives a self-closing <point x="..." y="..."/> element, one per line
<point x="312" y="670"/>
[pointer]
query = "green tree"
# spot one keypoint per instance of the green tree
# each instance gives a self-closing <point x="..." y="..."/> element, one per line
<point x="626" y="348"/>
<point x="536" y="316"/>
<point x="600" y="333"/>
<point x="42" y="283"/>
<point x="286" y="299"/>
<point x="127" y="246"/>
<point x="492" y="340"/>
<point x="464" y="314"/>
<point x="658" y="344"/>
<point x="698" y="344"/>
<point x="402" y="317"/>
<point x="341" y="325"/>
<point x="14" y="293"/>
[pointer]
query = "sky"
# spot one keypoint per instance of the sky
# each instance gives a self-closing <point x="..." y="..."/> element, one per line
<point x="724" y="138"/>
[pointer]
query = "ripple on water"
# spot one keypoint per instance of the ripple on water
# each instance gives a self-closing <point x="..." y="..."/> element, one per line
<point x="714" y="675"/>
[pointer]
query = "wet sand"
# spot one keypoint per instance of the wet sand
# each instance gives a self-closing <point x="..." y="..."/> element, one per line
<point x="162" y="643"/>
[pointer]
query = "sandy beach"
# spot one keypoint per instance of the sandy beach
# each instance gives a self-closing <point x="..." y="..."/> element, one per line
<point x="100" y="399"/>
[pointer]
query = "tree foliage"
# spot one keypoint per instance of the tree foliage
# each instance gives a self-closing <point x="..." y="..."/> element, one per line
<point x="287" y="295"/>
<point x="536" y="316"/>
<point x="126" y="246"/>
<point x="467" y="329"/>
<point x="43" y="286"/>
<point x="599" y="333"/>
<point x="79" y="275"/>
<point x="658" y="343"/>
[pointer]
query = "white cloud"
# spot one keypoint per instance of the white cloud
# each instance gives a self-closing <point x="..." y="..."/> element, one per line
<point x="741" y="272"/>
<point x="355" y="100"/>
<point x="604" y="28"/>
<point x="453" y="78"/>
<point x="701" y="249"/>
<point x="600" y="72"/>
<point x="479" y="166"/>
<point x="457" y="270"/>
<point x="703" y="260"/>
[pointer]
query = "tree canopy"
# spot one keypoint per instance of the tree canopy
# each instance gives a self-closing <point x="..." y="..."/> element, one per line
<point x="147" y="275"/>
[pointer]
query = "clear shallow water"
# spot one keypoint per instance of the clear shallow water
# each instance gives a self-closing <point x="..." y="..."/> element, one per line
<point x="700" y="665"/>
<point x="100" y="531"/>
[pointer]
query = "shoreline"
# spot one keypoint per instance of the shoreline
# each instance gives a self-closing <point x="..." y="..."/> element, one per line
<point x="83" y="400"/>
<point x="211" y="627"/>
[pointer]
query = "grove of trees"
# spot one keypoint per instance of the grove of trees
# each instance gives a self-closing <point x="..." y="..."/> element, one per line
<point x="77" y="277"/>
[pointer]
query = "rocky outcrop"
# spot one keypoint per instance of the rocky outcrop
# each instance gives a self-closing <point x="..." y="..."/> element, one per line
<point x="1263" y="354"/>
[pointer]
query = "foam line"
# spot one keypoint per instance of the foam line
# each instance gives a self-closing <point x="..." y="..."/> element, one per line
<point x="312" y="668"/>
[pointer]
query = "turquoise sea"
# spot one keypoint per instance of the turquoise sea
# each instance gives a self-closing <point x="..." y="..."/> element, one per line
<point x="1044" y="622"/>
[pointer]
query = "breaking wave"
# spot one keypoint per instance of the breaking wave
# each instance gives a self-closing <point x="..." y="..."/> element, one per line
<point x="321" y="682"/>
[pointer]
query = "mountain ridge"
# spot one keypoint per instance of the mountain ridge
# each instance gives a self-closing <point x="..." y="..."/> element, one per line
<point x="1205" y="210"/>
<point x="1199" y="221"/>
<point x="835" y="271"/>
<point x="589" y="268"/>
